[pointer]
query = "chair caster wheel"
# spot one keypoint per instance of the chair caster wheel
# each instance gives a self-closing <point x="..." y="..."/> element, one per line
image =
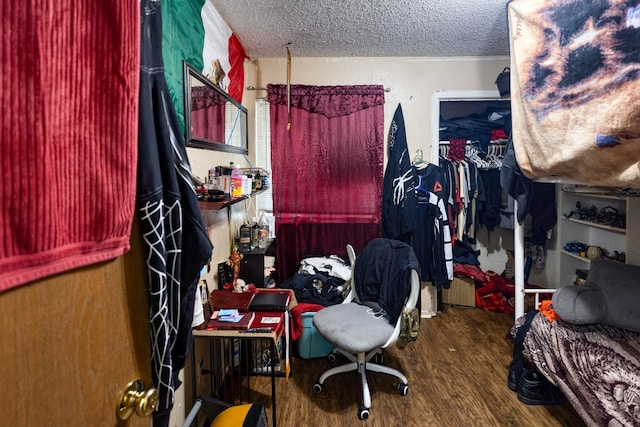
<point x="403" y="389"/>
<point x="363" y="413"/>
<point x="317" y="387"/>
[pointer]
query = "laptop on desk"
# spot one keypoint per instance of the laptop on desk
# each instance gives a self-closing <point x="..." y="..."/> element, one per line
<point x="270" y="301"/>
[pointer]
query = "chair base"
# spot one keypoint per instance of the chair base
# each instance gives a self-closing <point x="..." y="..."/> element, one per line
<point x="361" y="363"/>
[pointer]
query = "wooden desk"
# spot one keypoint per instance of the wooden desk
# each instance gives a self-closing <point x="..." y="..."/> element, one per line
<point x="244" y="336"/>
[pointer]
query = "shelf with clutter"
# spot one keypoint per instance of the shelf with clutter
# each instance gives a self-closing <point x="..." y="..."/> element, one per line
<point x="596" y="223"/>
<point x="216" y="205"/>
<point x="227" y="185"/>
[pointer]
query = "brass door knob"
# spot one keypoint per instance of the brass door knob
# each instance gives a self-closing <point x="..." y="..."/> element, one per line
<point x="134" y="399"/>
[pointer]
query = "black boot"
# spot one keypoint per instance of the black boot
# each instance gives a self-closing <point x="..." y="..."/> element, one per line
<point x="535" y="389"/>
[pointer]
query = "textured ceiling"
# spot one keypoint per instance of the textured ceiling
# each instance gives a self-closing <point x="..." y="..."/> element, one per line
<point x="368" y="28"/>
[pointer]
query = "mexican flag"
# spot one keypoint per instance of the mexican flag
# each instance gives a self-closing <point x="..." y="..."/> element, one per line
<point x="194" y="31"/>
<point x="223" y="55"/>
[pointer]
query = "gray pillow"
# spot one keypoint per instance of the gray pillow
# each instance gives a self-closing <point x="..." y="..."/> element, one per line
<point x="581" y="305"/>
<point x="610" y="296"/>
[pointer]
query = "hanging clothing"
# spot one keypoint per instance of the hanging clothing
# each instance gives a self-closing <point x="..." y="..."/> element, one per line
<point x="449" y="189"/>
<point x="170" y="220"/>
<point x="474" y="189"/>
<point x="432" y="241"/>
<point x="398" y="195"/>
<point x="489" y="210"/>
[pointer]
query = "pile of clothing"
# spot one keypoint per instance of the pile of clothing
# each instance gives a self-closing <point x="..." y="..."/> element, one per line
<point x="318" y="283"/>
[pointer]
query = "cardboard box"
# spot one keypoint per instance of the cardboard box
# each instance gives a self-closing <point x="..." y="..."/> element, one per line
<point x="311" y="344"/>
<point x="462" y="292"/>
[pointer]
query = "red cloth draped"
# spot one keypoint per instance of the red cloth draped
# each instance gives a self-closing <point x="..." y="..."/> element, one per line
<point x="327" y="170"/>
<point x="68" y="158"/>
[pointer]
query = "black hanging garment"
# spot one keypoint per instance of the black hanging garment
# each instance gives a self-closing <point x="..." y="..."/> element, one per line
<point x="432" y="235"/>
<point x="398" y="197"/>
<point x="170" y="219"/>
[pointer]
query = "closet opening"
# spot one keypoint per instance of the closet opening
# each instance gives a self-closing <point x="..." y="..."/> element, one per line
<point x="475" y="124"/>
<point x="447" y="107"/>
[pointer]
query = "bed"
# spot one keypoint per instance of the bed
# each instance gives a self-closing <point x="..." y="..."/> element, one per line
<point x="574" y="84"/>
<point x="597" y="367"/>
<point x="588" y="344"/>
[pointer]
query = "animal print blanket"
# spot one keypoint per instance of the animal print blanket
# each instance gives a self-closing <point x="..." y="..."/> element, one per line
<point x="597" y="368"/>
<point x="575" y="80"/>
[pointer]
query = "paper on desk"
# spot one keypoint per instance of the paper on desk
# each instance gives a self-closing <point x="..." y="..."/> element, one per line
<point x="229" y="315"/>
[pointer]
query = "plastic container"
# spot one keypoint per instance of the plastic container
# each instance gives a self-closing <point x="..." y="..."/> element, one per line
<point x="224" y="180"/>
<point x="311" y="344"/>
<point x="247" y="184"/>
<point x="236" y="181"/>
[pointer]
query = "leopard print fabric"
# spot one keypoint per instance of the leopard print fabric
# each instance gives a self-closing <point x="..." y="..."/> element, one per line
<point x="575" y="83"/>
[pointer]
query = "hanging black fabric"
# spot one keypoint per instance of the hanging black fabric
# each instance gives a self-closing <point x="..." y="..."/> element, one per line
<point x="398" y="197"/>
<point x="170" y="219"/>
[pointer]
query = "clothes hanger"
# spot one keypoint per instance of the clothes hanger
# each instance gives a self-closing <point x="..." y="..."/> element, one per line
<point x="422" y="192"/>
<point x="418" y="160"/>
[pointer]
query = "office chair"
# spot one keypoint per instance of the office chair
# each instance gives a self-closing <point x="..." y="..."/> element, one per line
<point x="385" y="280"/>
<point x="221" y="414"/>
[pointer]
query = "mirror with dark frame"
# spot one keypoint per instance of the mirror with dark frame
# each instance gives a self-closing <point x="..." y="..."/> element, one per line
<point x="213" y="119"/>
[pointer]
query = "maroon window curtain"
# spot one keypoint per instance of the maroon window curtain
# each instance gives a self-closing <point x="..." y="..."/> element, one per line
<point x="207" y="114"/>
<point x="327" y="170"/>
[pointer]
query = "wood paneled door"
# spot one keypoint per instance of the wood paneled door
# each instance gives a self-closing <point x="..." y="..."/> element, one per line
<point x="70" y="344"/>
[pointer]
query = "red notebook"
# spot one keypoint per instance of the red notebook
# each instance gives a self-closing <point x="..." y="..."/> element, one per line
<point x="221" y="299"/>
<point x="268" y="319"/>
<point x="241" y="325"/>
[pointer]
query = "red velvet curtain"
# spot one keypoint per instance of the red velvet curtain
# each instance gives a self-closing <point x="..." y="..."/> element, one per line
<point x="208" y="123"/>
<point x="207" y="114"/>
<point x="327" y="170"/>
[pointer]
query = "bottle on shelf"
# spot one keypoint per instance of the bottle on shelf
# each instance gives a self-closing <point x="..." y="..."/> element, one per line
<point x="247" y="184"/>
<point x="212" y="180"/>
<point x="257" y="182"/>
<point x="236" y="180"/>
<point x="245" y="237"/>
<point x="255" y="233"/>
<point x="263" y="224"/>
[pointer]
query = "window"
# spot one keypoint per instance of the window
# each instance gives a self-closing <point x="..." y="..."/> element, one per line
<point x="264" y="201"/>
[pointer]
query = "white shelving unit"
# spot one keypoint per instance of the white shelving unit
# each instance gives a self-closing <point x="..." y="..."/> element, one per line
<point x="608" y="237"/>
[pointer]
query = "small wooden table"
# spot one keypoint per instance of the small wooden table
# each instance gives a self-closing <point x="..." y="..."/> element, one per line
<point x="273" y="337"/>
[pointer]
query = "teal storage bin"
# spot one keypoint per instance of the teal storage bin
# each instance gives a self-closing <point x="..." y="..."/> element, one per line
<point x="311" y="344"/>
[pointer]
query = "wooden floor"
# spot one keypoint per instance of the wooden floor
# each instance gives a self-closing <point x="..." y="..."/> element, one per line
<point x="457" y="372"/>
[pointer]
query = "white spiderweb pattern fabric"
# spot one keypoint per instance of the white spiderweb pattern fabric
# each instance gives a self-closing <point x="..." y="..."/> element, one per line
<point x="162" y="233"/>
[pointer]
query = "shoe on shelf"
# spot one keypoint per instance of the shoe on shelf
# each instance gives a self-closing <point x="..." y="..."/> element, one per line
<point x="535" y="389"/>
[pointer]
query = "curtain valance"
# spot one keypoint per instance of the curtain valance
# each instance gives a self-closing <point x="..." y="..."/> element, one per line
<point x="329" y="101"/>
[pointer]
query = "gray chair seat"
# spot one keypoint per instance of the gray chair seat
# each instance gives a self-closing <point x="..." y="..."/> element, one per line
<point x="344" y="326"/>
